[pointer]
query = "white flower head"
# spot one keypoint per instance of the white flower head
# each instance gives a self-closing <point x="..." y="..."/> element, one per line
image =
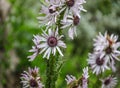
<point x="69" y="79"/>
<point x="49" y="12"/>
<point x="97" y="64"/>
<point x="35" y="48"/>
<point x="71" y="22"/>
<point x="31" y="78"/>
<point x="109" y="82"/>
<point x="85" y="78"/>
<point x="108" y="46"/>
<point x="74" y="6"/>
<point x="50" y="43"/>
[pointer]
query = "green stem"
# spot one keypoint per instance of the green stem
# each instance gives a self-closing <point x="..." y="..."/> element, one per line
<point x="51" y="73"/>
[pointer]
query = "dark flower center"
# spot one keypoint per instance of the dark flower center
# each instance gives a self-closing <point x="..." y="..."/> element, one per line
<point x="51" y="11"/>
<point x="107" y="82"/>
<point x="99" y="61"/>
<point x="52" y="41"/>
<point x="70" y="3"/>
<point x="33" y="83"/>
<point x="76" y="20"/>
<point x="108" y="50"/>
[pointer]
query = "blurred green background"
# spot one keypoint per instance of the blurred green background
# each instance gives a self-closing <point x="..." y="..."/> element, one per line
<point x="18" y="24"/>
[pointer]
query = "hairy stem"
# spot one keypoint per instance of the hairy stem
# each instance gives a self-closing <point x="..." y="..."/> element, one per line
<point x="51" y="73"/>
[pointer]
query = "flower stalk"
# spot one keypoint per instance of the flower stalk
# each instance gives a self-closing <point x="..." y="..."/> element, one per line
<point x="51" y="64"/>
<point x="51" y="76"/>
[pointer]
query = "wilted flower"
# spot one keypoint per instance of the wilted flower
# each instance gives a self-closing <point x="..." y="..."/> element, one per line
<point x="69" y="79"/>
<point x="97" y="64"/>
<point x="50" y="43"/>
<point x="31" y="78"/>
<point x="109" y="82"/>
<point x="71" y="22"/>
<point x="72" y="82"/>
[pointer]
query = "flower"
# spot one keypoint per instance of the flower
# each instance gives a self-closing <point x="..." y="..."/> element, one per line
<point x="35" y="48"/>
<point x="71" y="22"/>
<point x="50" y="43"/>
<point x="72" y="82"/>
<point x="107" y="46"/>
<point x="31" y="78"/>
<point x="85" y="73"/>
<point x="72" y="15"/>
<point x="97" y="64"/>
<point x="109" y="82"/>
<point x="49" y="12"/>
<point x="74" y="6"/>
<point x="69" y="79"/>
<point x="85" y="78"/>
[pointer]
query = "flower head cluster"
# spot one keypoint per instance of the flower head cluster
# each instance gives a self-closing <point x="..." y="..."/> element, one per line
<point x="72" y="15"/>
<point x="48" y="44"/>
<point x="109" y="82"/>
<point x="70" y="9"/>
<point x="80" y="83"/>
<point x="56" y="14"/>
<point x="105" y="53"/>
<point x="31" y="78"/>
